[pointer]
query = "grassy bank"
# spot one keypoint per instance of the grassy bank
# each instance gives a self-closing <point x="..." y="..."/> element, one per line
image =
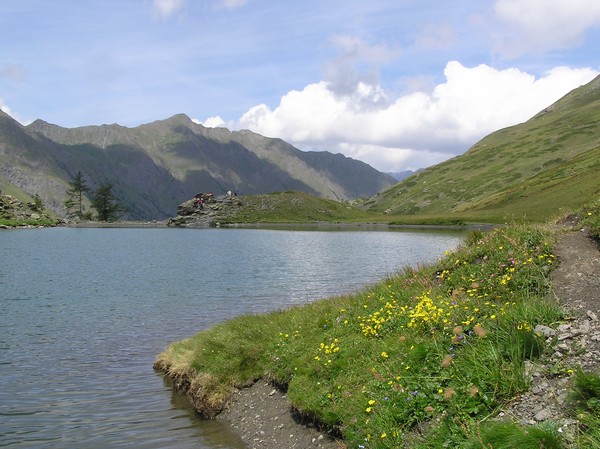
<point x="419" y="360"/>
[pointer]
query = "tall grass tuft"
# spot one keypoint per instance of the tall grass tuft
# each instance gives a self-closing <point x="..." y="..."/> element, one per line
<point x="503" y="435"/>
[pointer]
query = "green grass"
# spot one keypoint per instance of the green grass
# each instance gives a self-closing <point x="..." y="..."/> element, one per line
<point x="441" y="347"/>
<point x="15" y="212"/>
<point x="591" y="217"/>
<point x="506" y="435"/>
<point x="294" y="207"/>
<point x="585" y="402"/>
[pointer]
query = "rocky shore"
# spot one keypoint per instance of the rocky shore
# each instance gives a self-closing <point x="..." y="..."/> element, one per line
<point x="20" y="214"/>
<point x="205" y="210"/>
<point x="265" y="419"/>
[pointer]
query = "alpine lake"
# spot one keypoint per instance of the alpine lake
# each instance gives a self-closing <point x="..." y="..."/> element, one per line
<point x="85" y="311"/>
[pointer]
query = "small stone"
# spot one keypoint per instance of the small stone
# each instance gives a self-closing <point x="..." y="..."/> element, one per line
<point x="539" y="389"/>
<point x="272" y="392"/>
<point x="544" y="331"/>
<point x="542" y="415"/>
<point x="562" y="398"/>
<point x="585" y="327"/>
<point x="591" y="315"/>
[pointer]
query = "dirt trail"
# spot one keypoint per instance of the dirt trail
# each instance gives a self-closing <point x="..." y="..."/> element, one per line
<point x="575" y="343"/>
<point x="576" y="282"/>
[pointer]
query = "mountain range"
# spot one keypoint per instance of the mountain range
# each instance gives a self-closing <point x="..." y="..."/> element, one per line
<point x="536" y="170"/>
<point x="154" y="167"/>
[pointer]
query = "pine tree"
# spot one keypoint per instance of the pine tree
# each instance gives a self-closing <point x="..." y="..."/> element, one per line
<point x="107" y="208"/>
<point x="75" y="194"/>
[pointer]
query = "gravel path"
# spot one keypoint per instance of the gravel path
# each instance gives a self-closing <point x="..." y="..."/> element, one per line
<point x="576" y="287"/>
<point x="264" y="419"/>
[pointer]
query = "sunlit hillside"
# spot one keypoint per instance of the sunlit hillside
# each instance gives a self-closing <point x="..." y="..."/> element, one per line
<point x="534" y="170"/>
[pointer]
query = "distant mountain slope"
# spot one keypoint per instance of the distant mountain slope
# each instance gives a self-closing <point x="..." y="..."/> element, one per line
<point x="534" y="169"/>
<point x="156" y="166"/>
<point x="399" y="176"/>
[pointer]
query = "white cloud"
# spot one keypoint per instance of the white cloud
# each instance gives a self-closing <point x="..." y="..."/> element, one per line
<point x="390" y="159"/>
<point x="212" y="122"/>
<point x="539" y="25"/>
<point x="417" y="129"/>
<point x="7" y="110"/>
<point x="358" y="63"/>
<point x="166" y="8"/>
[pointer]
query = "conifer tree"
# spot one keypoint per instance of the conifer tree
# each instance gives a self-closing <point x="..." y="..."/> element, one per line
<point x="107" y="208"/>
<point x="75" y="194"/>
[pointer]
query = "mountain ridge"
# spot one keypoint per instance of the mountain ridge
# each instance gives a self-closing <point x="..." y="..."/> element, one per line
<point x="156" y="166"/>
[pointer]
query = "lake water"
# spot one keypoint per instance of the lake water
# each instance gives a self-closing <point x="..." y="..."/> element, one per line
<point x="84" y="313"/>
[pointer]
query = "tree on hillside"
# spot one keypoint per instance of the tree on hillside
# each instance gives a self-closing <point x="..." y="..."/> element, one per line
<point x="75" y="194"/>
<point x="107" y="208"/>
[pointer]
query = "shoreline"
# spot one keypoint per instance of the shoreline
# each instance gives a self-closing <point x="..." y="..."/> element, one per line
<point x="264" y="417"/>
<point x="343" y="226"/>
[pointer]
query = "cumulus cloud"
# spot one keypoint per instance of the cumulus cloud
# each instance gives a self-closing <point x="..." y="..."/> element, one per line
<point x="166" y="8"/>
<point x="414" y="130"/>
<point x="357" y="66"/>
<point x="539" y="25"/>
<point x="213" y="122"/>
<point x="7" y="110"/>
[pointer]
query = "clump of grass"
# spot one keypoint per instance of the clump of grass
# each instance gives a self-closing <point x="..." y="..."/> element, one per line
<point x="591" y="218"/>
<point x="439" y="348"/>
<point x="502" y="435"/>
<point x="13" y="223"/>
<point x="585" y="400"/>
<point x="586" y="392"/>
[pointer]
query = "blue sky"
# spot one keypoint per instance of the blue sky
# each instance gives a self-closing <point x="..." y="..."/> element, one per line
<point x="399" y="84"/>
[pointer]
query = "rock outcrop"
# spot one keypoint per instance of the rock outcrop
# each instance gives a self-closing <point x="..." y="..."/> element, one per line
<point x="15" y="213"/>
<point x="206" y="210"/>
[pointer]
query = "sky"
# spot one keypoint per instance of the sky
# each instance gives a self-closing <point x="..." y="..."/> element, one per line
<point x="398" y="84"/>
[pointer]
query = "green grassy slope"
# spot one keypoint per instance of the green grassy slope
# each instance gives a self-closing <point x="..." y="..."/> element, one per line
<point x="532" y="170"/>
<point x="295" y="207"/>
<point x="280" y="207"/>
